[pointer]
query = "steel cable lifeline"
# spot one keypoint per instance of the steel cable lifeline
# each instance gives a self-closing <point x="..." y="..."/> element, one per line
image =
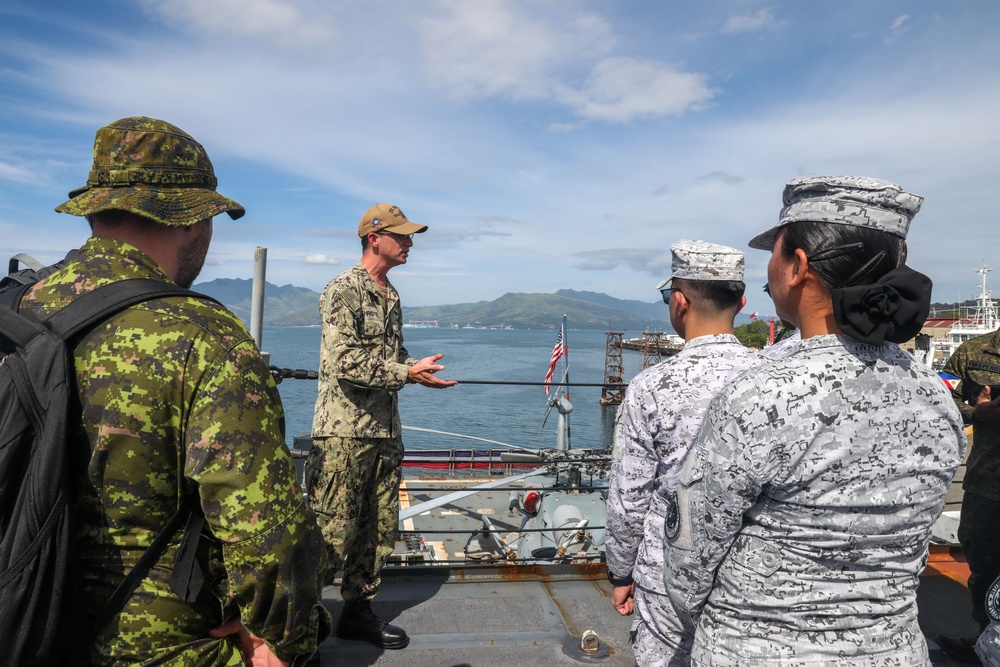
<point x="301" y="374"/>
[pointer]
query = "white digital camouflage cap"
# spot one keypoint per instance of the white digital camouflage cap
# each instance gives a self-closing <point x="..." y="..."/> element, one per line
<point x="701" y="260"/>
<point x="844" y="200"/>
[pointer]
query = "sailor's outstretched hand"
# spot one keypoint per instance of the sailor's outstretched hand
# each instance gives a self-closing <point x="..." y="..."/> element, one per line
<point x="423" y="372"/>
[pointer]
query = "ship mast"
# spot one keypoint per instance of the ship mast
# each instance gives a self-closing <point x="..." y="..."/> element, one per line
<point x="985" y="316"/>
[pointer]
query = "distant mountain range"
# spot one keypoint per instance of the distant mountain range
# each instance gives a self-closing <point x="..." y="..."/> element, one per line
<point x="517" y="310"/>
<point x="283" y="306"/>
<point x="297" y="306"/>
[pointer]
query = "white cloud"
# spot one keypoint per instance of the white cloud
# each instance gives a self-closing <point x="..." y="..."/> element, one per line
<point x="320" y="259"/>
<point x="722" y="177"/>
<point x="491" y="49"/>
<point x="749" y="22"/>
<point x="281" y="24"/>
<point x="450" y="236"/>
<point x="898" y="28"/>
<point x="651" y="261"/>
<point x="622" y="89"/>
<point x="15" y="174"/>
<point x="482" y="49"/>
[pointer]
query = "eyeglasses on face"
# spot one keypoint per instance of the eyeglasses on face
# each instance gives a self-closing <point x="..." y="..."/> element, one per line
<point x="667" y="292"/>
<point x="398" y="237"/>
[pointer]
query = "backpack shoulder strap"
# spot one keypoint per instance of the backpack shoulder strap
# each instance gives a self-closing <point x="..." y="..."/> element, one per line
<point x="105" y="301"/>
<point x="188" y="511"/>
<point x="15" y="327"/>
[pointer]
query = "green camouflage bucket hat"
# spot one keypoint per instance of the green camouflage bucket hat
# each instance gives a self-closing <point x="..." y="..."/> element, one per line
<point x="154" y="169"/>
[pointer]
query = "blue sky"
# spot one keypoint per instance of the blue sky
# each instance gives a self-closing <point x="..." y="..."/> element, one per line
<point x="548" y="144"/>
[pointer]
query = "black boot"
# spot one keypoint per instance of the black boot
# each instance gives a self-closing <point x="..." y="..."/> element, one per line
<point x="358" y="621"/>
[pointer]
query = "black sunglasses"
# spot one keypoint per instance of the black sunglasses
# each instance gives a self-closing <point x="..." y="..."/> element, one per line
<point x="666" y="294"/>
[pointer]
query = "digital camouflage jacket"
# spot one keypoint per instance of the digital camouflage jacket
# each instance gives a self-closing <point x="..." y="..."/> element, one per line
<point x="805" y="508"/>
<point x="176" y="399"/>
<point x="362" y="359"/>
<point x="656" y="426"/>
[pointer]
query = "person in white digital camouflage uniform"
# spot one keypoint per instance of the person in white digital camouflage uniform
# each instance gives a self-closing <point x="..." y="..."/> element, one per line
<point x="806" y="505"/>
<point x="657" y="424"/>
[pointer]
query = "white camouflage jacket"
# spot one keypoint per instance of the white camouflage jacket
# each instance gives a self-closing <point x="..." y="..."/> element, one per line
<point x="656" y="426"/>
<point x="805" y="509"/>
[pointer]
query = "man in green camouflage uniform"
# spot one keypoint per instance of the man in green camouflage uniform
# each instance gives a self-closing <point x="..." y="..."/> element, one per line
<point x="977" y="364"/>
<point x="354" y="469"/>
<point x="177" y="400"/>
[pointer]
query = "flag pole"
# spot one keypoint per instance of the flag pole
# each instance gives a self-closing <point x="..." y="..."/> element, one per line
<point x="565" y="359"/>
<point x="566" y="381"/>
<point x="560" y="399"/>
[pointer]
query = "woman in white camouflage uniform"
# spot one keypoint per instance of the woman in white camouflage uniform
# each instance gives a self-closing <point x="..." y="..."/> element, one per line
<point x="805" y="509"/>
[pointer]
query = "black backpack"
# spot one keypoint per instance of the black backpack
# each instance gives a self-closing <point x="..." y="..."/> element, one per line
<point x="40" y="621"/>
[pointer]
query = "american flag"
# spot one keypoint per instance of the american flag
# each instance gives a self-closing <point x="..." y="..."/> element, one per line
<point x="557" y="353"/>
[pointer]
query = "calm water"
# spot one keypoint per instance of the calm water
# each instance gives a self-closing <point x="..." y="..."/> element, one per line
<point x="510" y="414"/>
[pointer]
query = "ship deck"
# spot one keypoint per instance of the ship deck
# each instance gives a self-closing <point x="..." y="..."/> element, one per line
<point x="485" y="613"/>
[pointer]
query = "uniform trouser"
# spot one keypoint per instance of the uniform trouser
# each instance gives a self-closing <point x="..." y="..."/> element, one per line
<point x="988" y="646"/>
<point x="353" y="485"/>
<point x="658" y="638"/>
<point x="979" y="534"/>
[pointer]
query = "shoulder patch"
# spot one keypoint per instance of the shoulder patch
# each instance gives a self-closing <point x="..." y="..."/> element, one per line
<point x="993" y="601"/>
<point x="672" y="517"/>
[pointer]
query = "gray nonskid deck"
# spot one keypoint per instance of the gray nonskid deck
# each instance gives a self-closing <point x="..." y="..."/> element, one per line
<point x="467" y="623"/>
<point x="487" y="623"/>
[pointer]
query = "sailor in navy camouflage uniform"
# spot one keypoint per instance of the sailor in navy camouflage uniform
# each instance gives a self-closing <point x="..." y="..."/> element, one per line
<point x="657" y="424"/>
<point x="806" y="505"/>
<point x="355" y="466"/>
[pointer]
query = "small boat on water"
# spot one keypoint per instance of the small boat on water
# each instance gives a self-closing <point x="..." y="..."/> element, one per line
<point x="421" y="324"/>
